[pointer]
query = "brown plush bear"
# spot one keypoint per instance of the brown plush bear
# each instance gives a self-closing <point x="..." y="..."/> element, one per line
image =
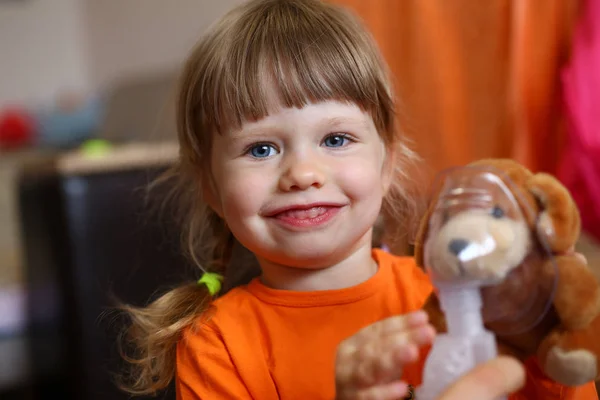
<point x="564" y="332"/>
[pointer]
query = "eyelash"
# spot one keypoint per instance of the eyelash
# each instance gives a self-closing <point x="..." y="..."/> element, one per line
<point x="343" y="136"/>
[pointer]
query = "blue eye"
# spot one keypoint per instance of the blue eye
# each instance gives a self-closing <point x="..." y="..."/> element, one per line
<point x="262" y="151"/>
<point x="335" y="140"/>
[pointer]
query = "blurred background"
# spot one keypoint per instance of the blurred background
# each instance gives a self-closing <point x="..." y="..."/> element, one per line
<point x="86" y="121"/>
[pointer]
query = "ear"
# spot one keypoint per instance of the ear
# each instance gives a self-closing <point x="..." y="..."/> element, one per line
<point x="558" y="221"/>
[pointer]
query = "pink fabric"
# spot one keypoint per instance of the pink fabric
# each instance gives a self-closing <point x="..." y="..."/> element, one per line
<point x="580" y="166"/>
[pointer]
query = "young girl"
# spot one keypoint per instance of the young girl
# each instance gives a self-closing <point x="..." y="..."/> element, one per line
<point x="289" y="150"/>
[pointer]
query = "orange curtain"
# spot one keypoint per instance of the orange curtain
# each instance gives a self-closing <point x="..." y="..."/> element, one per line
<point x="476" y="78"/>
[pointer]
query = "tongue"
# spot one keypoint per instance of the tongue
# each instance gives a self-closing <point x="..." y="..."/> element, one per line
<point x="304" y="214"/>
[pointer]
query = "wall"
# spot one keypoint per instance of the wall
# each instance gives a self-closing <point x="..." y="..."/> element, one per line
<point x="51" y="46"/>
<point x="42" y="50"/>
<point x="138" y="37"/>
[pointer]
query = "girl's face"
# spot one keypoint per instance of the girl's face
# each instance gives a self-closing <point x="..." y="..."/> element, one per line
<point x="301" y="187"/>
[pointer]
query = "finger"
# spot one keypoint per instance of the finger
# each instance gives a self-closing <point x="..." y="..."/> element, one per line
<point x="499" y="377"/>
<point x="581" y="257"/>
<point x="392" y="325"/>
<point x="381" y="328"/>
<point x="573" y="252"/>
<point x="382" y="360"/>
<point x="390" y="391"/>
<point x="384" y="369"/>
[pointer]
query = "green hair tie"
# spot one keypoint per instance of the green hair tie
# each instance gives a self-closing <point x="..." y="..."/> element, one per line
<point x="212" y="281"/>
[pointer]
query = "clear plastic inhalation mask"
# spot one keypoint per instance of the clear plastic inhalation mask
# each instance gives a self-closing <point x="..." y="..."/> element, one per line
<point x="484" y="257"/>
<point x="482" y="231"/>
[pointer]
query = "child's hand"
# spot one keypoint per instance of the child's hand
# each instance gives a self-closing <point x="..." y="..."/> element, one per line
<point x="498" y="377"/>
<point x="369" y="364"/>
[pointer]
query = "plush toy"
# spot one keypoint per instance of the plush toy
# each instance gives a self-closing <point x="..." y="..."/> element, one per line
<point x="556" y="300"/>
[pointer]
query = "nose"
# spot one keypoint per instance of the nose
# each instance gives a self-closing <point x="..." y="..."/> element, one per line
<point x="457" y="245"/>
<point x="302" y="174"/>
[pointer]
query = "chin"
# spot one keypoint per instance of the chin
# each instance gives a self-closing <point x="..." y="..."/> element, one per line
<point x="312" y="256"/>
<point x="310" y="259"/>
<point x="316" y="249"/>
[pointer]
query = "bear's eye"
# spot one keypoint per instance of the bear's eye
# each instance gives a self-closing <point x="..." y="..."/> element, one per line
<point x="497" y="212"/>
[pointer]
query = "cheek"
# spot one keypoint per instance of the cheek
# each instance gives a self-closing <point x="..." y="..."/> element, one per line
<point x="503" y="232"/>
<point x="361" y="180"/>
<point x="243" y="193"/>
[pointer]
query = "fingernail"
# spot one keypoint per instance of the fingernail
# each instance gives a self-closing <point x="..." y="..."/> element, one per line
<point x="418" y="316"/>
<point x="408" y="353"/>
<point x="399" y="389"/>
<point x="581" y="257"/>
<point x="424" y="333"/>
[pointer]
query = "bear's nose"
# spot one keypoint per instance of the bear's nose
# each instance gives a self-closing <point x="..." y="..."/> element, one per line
<point x="457" y="245"/>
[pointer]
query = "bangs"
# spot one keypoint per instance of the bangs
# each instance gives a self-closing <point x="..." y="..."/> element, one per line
<point x="300" y="51"/>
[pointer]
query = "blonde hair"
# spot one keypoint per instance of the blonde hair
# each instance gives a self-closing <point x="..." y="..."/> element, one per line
<point x="312" y="51"/>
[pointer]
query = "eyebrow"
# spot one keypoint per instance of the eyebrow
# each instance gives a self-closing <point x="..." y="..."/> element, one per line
<point x="329" y="122"/>
<point x="259" y="130"/>
<point x="336" y="121"/>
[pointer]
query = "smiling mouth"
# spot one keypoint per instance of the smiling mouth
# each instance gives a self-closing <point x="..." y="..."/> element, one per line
<point x="306" y="216"/>
<point x="301" y="214"/>
<point x="303" y="211"/>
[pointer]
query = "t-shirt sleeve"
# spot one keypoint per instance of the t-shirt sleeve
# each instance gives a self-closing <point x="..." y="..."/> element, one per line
<point x="205" y="369"/>
<point x="538" y="386"/>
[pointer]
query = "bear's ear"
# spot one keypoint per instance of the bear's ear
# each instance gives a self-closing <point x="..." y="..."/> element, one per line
<point x="558" y="221"/>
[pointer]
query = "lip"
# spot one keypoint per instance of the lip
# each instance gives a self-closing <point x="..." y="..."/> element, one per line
<point x="300" y="207"/>
<point x="284" y="215"/>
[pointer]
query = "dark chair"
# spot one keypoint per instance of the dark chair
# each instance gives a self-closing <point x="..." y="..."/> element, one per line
<point x="89" y="238"/>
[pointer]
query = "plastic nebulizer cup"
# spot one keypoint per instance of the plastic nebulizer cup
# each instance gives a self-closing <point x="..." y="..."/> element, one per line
<point x="480" y="253"/>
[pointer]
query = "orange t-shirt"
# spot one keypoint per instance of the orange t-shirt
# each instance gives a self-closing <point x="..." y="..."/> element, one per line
<point x="266" y="344"/>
